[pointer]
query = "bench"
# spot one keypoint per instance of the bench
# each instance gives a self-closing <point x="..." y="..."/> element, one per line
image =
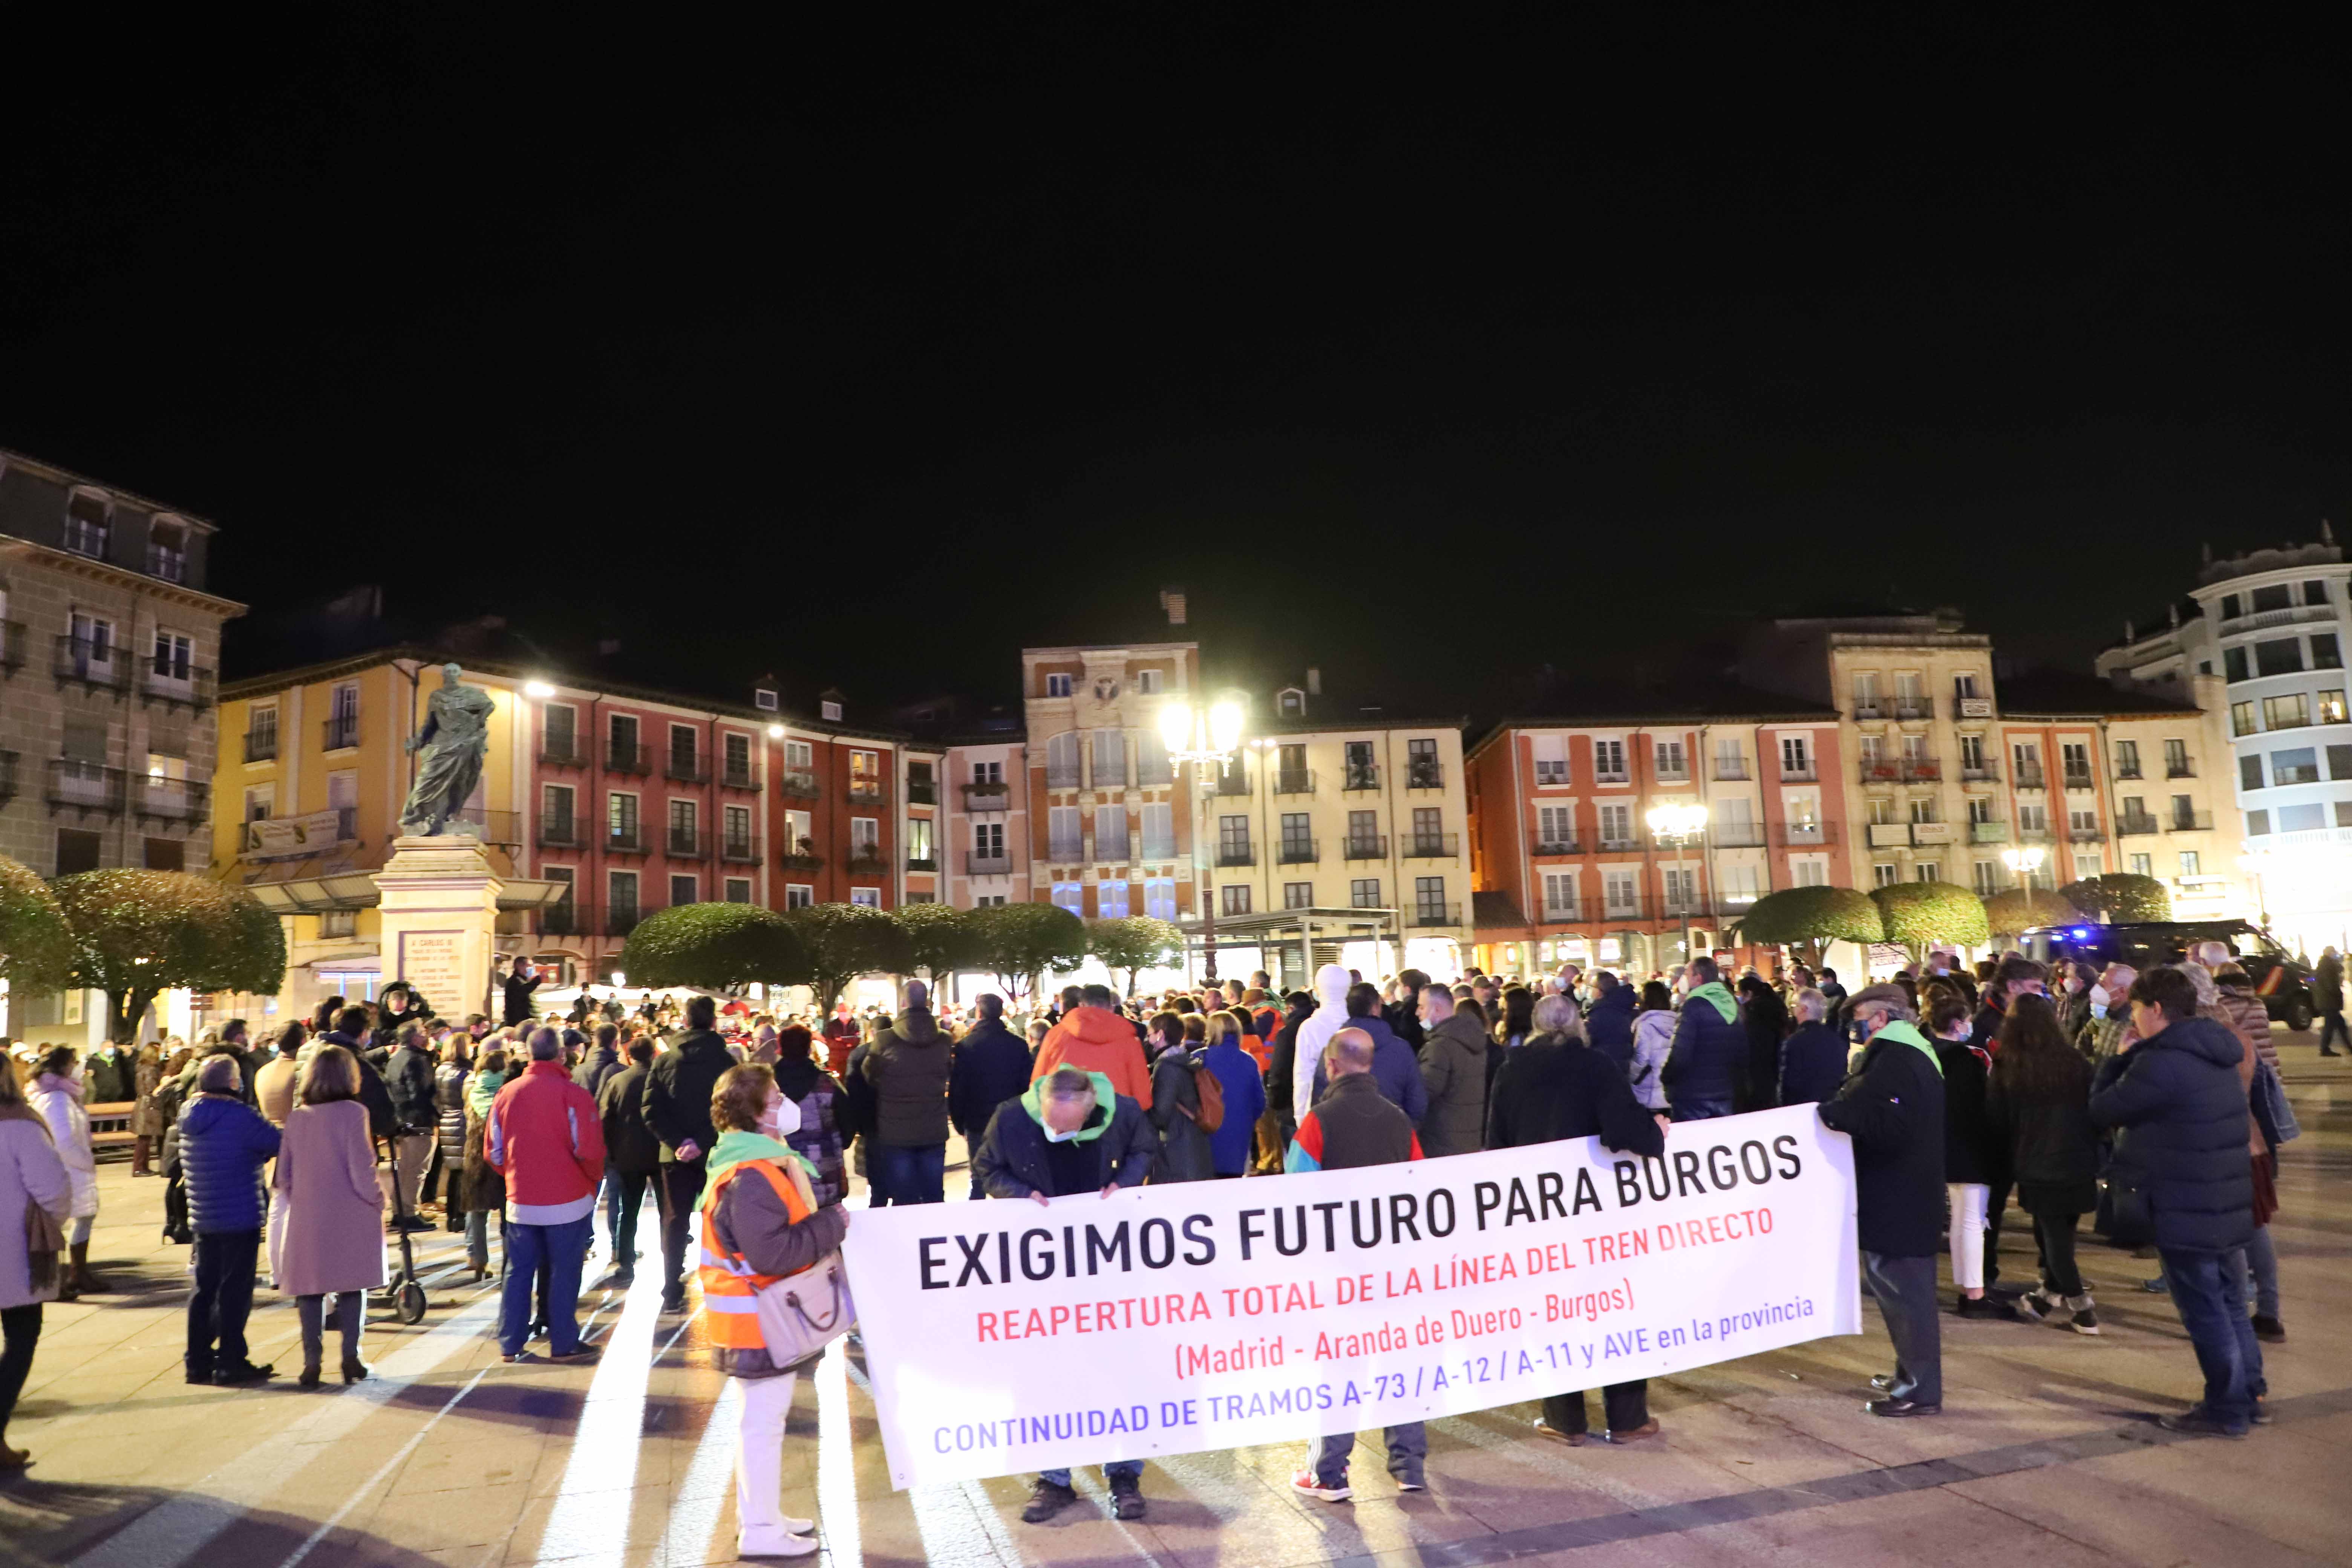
<point x="110" y="1124"/>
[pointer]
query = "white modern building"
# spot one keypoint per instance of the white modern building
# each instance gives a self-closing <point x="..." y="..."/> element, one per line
<point x="2272" y="625"/>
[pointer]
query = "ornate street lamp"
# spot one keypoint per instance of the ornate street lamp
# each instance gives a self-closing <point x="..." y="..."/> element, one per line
<point x="2022" y="863"/>
<point x="1681" y="826"/>
<point x="1203" y="739"/>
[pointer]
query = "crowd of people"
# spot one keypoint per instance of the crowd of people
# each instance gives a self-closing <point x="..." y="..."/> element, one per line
<point x="2149" y="1102"/>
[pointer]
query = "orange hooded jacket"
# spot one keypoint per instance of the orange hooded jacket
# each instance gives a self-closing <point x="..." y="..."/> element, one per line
<point x="1094" y="1040"/>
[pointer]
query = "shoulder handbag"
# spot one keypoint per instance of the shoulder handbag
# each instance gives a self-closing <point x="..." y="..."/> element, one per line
<point x="2281" y="1114"/>
<point x="801" y="1313"/>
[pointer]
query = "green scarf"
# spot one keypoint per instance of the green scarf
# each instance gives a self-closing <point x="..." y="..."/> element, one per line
<point x="1910" y="1036"/>
<point x="1716" y="993"/>
<point x="1033" y="1100"/>
<point x="483" y="1088"/>
<point x="734" y="1147"/>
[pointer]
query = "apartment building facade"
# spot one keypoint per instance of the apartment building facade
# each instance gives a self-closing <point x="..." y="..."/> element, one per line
<point x="987" y="831"/>
<point x="109" y="641"/>
<point x="1568" y="867"/>
<point x="2270" y="626"/>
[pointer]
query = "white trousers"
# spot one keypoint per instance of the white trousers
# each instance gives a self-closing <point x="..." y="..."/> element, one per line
<point x="759" y="1453"/>
<point x="1967" y="1229"/>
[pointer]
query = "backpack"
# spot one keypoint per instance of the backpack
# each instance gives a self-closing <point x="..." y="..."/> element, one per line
<point x="1212" y="1114"/>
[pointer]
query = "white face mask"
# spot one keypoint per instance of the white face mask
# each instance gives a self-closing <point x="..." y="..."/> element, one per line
<point x="782" y="1120"/>
<point x="2098" y="1009"/>
<point x="1054" y="1137"/>
<point x="2100" y="996"/>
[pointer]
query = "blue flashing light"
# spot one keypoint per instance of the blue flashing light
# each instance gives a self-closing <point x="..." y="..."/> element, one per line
<point x="2083" y="930"/>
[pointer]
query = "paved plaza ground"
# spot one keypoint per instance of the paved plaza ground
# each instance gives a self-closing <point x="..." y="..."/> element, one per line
<point x="2047" y="1453"/>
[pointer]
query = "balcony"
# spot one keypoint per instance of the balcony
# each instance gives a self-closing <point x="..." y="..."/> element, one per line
<point x="2190" y="822"/>
<point x="1237" y="854"/>
<point x="1613" y="846"/>
<point x="85" y="788"/>
<point x="1433" y="916"/>
<point x="628" y="840"/>
<point x="740" y="850"/>
<point x="1804" y="772"/>
<point x="865" y="860"/>
<point x="1297" y="781"/>
<point x="628" y="757"/>
<point x="980" y="797"/>
<point x="2130" y="824"/>
<point x="176" y="685"/>
<point x="2183" y="769"/>
<point x="1233" y="780"/>
<point x="1067" y="851"/>
<point x="1424" y="774"/>
<point x="1912" y="707"/>
<point x="1358" y="846"/>
<point x="976" y="864"/>
<point x="561" y="751"/>
<point x="1879" y="770"/>
<point x="1889" y="835"/>
<point x="800" y="782"/>
<point x="864" y="791"/>
<point x="731" y="777"/>
<point x="922" y="791"/>
<point x="1971" y="706"/>
<point x="1157" y="849"/>
<point x="1109" y="776"/>
<point x="804" y="859"/>
<point x="622" y="919"/>
<point x="922" y="863"/>
<point x="2029" y="776"/>
<point x="1987" y="832"/>
<point x="99" y="667"/>
<point x="1673" y="776"/>
<point x="261" y="745"/>
<point x="1921" y="770"/>
<point x="1736" y="835"/>
<point x="170" y="565"/>
<point x="567" y="919"/>
<point x="1360" y="776"/>
<point x="1059" y="777"/>
<point x="162" y="799"/>
<point x="2078" y="778"/>
<point x="8" y="777"/>
<point x="558" y="833"/>
<point x="1729" y="770"/>
<point x="2284" y="617"/>
<point x="1933" y="835"/>
<point x="1870" y="708"/>
<point x="1540" y="845"/>
<point x="2034" y="833"/>
<point x="1432" y="846"/>
<point x="1151" y="774"/>
<point x="687" y="843"/>
<point x="2129" y="771"/>
<point x="1298" y="852"/>
<point x="685" y="767"/>
<point x="2086" y="836"/>
<point x="1978" y="772"/>
<point x="1800" y="834"/>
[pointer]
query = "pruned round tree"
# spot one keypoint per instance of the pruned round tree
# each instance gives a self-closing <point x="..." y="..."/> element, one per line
<point x="137" y="934"/>
<point x="1019" y="942"/>
<point x="841" y="941"/>
<point x="714" y="947"/>
<point x="1808" y="920"/>
<point x="2022" y="909"/>
<point x="1134" y="943"/>
<point x="37" y="947"/>
<point x="2119" y="898"/>
<point x="940" y="938"/>
<point x="1919" y="915"/>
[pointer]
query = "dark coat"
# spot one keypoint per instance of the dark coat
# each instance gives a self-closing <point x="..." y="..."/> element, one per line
<point x="1184" y="1151"/>
<point x="2052" y="1146"/>
<point x="1012" y="1159"/>
<point x="1973" y="1150"/>
<point x="677" y="1091"/>
<point x="484" y="1189"/>
<point x="600" y="1063"/>
<point x="1708" y="1064"/>
<point x="518" y="997"/>
<point x="1767" y="1019"/>
<point x="1609" y="1025"/>
<point x="1812" y="1064"/>
<point x="2178" y="1097"/>
<point x="990" y="1066"/>
<point x="1457" y="1062"/>
<point x="223" y="1143"/>
<point x="107" y="1078"/>
<point x="1395" y="1068"/>
<point x="630" y="1146"/>
<point x="819" y="1139"/>
<point x="1353" y="1125"/>
<point x="408" y="1078"/>
<point x="1553" y="1088"/>
<point x="2327" y="985"/>
<point x="1892" y="1109"/>
<point x="384" y="1120"/>
<point x="909" y="1066"/>
<point x="1403" y="1019"/>
<point x="449" y="1111"/>
<point x="1282" y="1066"/>
<point x="855" y="1111"/>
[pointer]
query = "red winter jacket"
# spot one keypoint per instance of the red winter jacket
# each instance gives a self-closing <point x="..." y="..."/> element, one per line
<point x="545" y="1137"/>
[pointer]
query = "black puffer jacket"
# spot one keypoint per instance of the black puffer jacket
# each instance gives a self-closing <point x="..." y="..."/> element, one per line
<point x="909" y="1065"/>
<point x="449" y="1110"/>
<point x="2178" y="1094"/>
<point x="1554" y="1088"/>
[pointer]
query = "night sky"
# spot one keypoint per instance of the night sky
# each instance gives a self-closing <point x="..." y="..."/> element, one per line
<point x="1432" y="355"/>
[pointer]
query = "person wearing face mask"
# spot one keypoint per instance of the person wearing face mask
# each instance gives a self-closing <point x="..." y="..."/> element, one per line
<point x="2016" y="975"/>
<point x="2110" y="1027"/>
<point x="1070" y="1133"/>
<point x="2075" y="1005"/>
<point x="1975" y="1158"/>
<point x="760" y="1223"/>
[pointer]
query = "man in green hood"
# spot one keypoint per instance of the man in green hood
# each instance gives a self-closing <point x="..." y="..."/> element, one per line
<point x="1707" y="1063"/>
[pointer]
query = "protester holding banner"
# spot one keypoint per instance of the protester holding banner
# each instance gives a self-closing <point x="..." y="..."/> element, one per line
<point x="1070" y="1133"/>
<point x="760" y="1223"/>
<point x="1892" y="1109"/>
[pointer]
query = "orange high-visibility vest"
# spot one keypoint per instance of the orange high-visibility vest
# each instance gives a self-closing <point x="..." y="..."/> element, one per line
<point x="730" y="1285"/>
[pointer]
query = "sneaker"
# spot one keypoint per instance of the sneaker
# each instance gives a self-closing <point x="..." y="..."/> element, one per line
<point x="2153" y="1286"/>
<point x="1573" y="1439"/>
<point x="1049" y="1499"/>
<point x="2084" y="1319"/>
<point x="2037" y="1304"/>
<point x="2197" y="1424"/>
<point x="1306" y="1483"/>
<point x="1127" y="1497"/>
<point x="1646" y="1429"/>
<point x="1992" y="1307"/>
<point x="2270" y="1330"/>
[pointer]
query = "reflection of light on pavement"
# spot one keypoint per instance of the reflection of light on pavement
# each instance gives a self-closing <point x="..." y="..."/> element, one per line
<point x="958" y="1522"/>
<point x="591" y="1520"/>
<point x="836" y="1462"/>
<point x="698" y="1496"/>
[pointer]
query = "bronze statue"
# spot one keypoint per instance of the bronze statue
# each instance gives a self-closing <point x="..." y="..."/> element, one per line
<point x="454" y="741"/>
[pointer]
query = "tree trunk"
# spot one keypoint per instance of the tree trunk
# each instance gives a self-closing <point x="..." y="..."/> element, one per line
<point x="123" y="1011"/>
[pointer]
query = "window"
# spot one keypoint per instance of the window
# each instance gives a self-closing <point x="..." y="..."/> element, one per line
<point x="799" y="895"/>
<point x="1885" y="873"/>
<point x="344" y="800"/>
<point x="1923" y="809"/>
<point x="988" y="840"/>
<point x="260" y="800"/>
<point x="1428" y="830"/>
<point x="77" y="851"/>
<point x="2241" y="717"/>
<point x="1364" y="893"/>
<point x="1421" y="768"/>
<point x="1979" y="809"/>
<point x="2250" y="771"/>
<point x="2126" y="759"/>
<point x="2027" y="756"/>
<point x="1111" y="833"/>
<point x="683" y="762"/>
<point x="261" y="733"/>
<point x="2143" y="865"/>
<point x="92" y="645"/>
<point x="1866" y="694"/>
<point x="1147" y="682"/>
<point x="1234" y="841"/>
<point x="2231" y="607"/>
<point x="1882" y="812"/>
<point x="1159" y="831"/>
<point x="1928" y="871"/>
<point x="1972" y="755"/>
<point x="1616" y="826"/>
<point x="1671" y="763"/>
<point x="1297" y="837"/>
<point x="2184" y="812"/>
<point x="1560" y="895"/>
<point x="2283" y="657"/>
<point x="1872" y="750"/>
<point x="2086" y="820"/>
<point x="2258" y="824"/>
<point x="800" y="756"/>
<point x="621" y="737"/>
<point x="865" y="898"/>
<point x="1964" y="684"/>
<point x="2299" y="766"/>
<point x="1429" y="900"/>
<point x="1985" y="877"/>
<point x="2087" y="865"/>
<point x="2339" y="763"/>
<point x="797" y="840"/>
<point x="1159" y="898"/>
<point x="1293" y="703"/>
<point x="1811" y="872"/>
<point x="2277" y="596"/>
<point x="555" y="813"/>
<point x="865" y="837"/>
<point x="1109" y="757"/>
<point x="1363" y="834"/>
<point x="1609" y="761"/>
<point x="865" y="776"/>
<point x="1795" y="759"/>
<point x="1555" y="827"/>
<point x="1682" y="887"/>
<point x="2301" y="819"/>
<point x="764" y="699"/>
<point x="1234" y="898"/>
<point x="1110" y="898"/>
<point x="684" y="888"/>
<point x="172" y="651"/>
<point x="1151" y="764"/>
<point x="1551" y="760"/>
<point x="1062" y="761"/>
<point x="2191" y="864"/>
<point x="988" y="773"/>
<point x="735" y="828"/>
<point x="620" y="895"/>
<point x="830" y="711"/>
<point x="2233" y="663"/>
<point x="1620" y="891"/>
<point x="1057" y="686"/>
<point x="684" y="826"/>
<point x="2032" y="819"/>
<point x="1064" y="839"/>
<point x="739" y="889"/>
<point x="86" y="525"/>
<point x="1908" y="702"/>
<point x="2344" y="814"/>
<point x="621" y="820"/>
<point x="1915" y="748"/>
<point x="1298" y="895"/>
<point x="2286" y="712"/>
<point x="1362" y="772"/>
<point x="2315" y="592"/>
<point x="739" y="758"/>
<point x="2331" y="705"/>
<point x="2076" y="759"/>
<point x="2324" y="653"/>
<point x="2176" y="760"/>
<point x="1739" y="885"/>
<point x="560" y="727"/>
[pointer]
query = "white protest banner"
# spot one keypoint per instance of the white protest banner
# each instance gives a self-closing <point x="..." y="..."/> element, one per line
<point x="1003" y="1336"/>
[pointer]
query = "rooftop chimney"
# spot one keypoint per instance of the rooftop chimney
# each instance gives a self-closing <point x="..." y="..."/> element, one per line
<point x="1172" y="601"/>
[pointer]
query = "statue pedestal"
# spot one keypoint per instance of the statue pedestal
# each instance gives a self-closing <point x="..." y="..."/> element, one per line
<point x="437" y="918"/>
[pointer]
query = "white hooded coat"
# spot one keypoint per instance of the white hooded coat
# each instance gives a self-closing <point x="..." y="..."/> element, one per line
<point x="1327" y="1019"/>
